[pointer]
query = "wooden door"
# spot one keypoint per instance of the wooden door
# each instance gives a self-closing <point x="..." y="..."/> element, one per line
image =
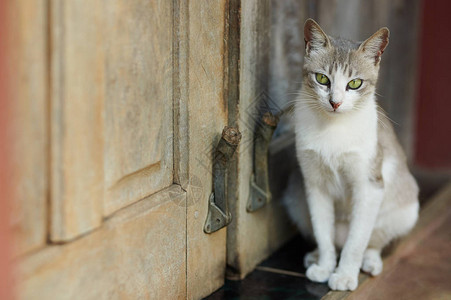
<point x="118" y="106"/>
<point x="253" y="236"/>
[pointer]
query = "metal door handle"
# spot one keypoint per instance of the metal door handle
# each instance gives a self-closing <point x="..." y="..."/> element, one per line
<point x="260" y="193"/>
<point x="218" y="212"/>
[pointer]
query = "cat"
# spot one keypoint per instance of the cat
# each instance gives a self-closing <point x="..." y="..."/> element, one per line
<point x="358" y="189"/>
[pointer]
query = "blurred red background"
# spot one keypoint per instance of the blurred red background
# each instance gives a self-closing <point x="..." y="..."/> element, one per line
<point x="433" y="131"/>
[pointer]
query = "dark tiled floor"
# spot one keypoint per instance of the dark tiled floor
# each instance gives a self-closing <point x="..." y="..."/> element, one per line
<point x="279" y="277"/>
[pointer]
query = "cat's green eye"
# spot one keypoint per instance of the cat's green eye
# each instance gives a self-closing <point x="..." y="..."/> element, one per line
<point x="355" y="84"/>
<point x="322" y="79"/>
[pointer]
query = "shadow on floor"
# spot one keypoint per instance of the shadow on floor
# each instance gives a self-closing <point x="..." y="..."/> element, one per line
<point x="281" y="276"/>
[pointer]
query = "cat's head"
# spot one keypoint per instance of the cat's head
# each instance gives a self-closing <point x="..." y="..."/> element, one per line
<point x="339" y="74"/>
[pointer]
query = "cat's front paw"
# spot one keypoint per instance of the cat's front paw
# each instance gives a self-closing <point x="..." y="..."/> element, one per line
<point x="372" y="263"/>
<point x="318" y="273"/>
<point x="342" y="282"/>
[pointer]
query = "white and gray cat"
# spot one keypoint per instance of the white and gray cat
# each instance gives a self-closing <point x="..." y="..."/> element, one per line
<point x="360" y="193"/>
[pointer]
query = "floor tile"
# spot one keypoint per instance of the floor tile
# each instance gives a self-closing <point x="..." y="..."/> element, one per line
<point x="279" y="277"/>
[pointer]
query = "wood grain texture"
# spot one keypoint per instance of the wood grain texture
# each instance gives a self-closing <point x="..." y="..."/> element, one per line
<point x="286" y="50"/>
<point x="27" y="51"/>
<point x="139" y="253"/>
<point x="118" y="101"/>
<point x="180" y="40"/>
<point x="399" y="74"/>
<point x="251" y="237"/>
<point x="138" y="106"/>
<point x="77" y="93"/>
<point x="112" y="116"/>
<point x="207" y="109"/>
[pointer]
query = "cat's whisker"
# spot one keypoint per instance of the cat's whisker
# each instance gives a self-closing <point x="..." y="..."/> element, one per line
<point x="382" y="112"/>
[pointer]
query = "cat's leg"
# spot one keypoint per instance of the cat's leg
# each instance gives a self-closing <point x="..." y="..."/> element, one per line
<point x="322" y="216"/>
<point x="321" y="209"/>
<point x="311" y="258"/>
<point x="372" y="261"/>
<point x="367" y="199"/>
<point x="390" y="224"/>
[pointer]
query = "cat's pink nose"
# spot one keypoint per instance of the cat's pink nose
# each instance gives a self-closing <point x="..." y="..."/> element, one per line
<point x="334" y="104"/>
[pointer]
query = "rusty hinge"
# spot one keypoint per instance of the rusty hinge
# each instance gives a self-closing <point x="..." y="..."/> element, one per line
<point x="218" y="212"/>
<point x="259" y="189"/>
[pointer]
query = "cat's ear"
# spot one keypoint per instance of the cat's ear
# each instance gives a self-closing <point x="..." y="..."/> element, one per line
<point x="314" y="36"/>
<point x="375" y="45"/>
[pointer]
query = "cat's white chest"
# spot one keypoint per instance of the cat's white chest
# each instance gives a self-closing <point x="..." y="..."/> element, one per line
<point x="345" y="144"/>
<point x="333" y="138"/>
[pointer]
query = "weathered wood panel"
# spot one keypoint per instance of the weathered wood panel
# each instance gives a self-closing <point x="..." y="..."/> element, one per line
<point x="111" y="109"/>
<point x="207" y="109"/>
<point x="29" y="69"/>
<point x="287" y="49"/>
<point x="251" y="237"/>
<point x="180" y="51"/>
<point x="138" y="106"/>
<point x="77" y="93"/>
<point x="139" y="253"/>
<point x="398" y="77"/>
